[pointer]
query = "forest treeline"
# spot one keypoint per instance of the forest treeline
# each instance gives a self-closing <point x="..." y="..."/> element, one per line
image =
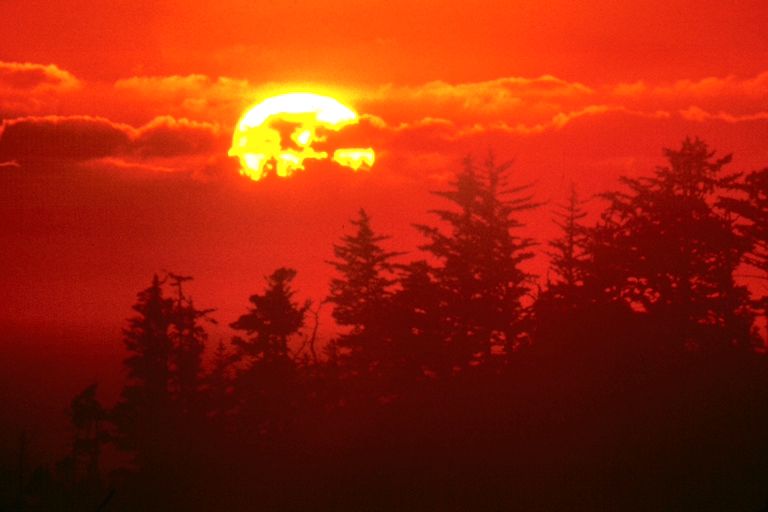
<point x="632" y="376"/>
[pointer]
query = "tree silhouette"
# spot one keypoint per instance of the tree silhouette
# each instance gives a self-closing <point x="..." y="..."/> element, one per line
<point x="479" y="272"/>
<point x="219" y="380"/>
<point x="569" y="309"/>
<point x="627" y="387"/>
<point x="87" y="416"/>
<point x="417" y="322"/>
<point x="267" y="384"/>
<point x="361" y="296"/>
<point x="570" y="261"/>
<point x="752" y="208"/>
<point x="142" y="415"/>
<point x="273" y="318"/>
<point x="569" y="254"/>
<point x="158" y="415"/>
<point x="671" y="253"/>
<point x="189" y="338"/>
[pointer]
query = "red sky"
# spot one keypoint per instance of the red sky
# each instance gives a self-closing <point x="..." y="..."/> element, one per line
<point x="116" y="119"/>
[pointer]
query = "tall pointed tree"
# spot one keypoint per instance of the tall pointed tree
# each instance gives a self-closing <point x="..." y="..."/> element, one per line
<point x="568" y="252"/>
<point x="361" y="294"/>
<point x="266" y="387"/>
<point x="189" y="338"/>
<point x="143" y="414"/>
<point x="165" y="340"/>
<point x="480" y="259"/>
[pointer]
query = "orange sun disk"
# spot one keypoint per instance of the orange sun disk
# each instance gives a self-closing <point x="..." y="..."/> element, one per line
<point x="258" y="145"/>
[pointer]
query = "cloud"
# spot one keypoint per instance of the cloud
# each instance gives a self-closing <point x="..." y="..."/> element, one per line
<point x="518" y="106"/>
<point x="491" y="94"/>
<point x="27" y="88"/>
<point x="756" y="87"/>
<point x="166" y="136"/>
<point x="84" y="138"/>
<point x="525" y="99"/>
<point x="739" y="97"/>
<point x="219" y="98"/>
<point x="62" y="137"/>
<point x="27" y="76"/>
<point x="694" y="113"/>
<point x="713" y="86"/>
<point x="447" y="130"/>
<point x="121" y="164"/>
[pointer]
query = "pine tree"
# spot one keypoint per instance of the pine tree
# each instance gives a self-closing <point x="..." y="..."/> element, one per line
<point x="568" y="253"/>
<point x="189" y="338"/>
<point x="479" y="257"/>
<point x="361" y="295"/>
<point x="273" y="318"/>
<point x="165" y="340"/>
<point x="219" y="380"/>
<point x="419" y="339"/>
<point x="143" y="415"/>
<point x="565" y="303"/>
<point x="87" y="416"/>
<point x="665" y="249"/>
<point x="266" y="387"/>
<point x="751" y="207"/>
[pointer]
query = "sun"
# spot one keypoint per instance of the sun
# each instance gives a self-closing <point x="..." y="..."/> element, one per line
<point x="259" y="141"/>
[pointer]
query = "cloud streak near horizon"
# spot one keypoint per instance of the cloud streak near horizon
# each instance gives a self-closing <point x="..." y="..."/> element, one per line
<point x="48" y="113"/>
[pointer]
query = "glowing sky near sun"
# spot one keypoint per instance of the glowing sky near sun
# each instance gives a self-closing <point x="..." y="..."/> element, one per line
<point x="117" y="119"/>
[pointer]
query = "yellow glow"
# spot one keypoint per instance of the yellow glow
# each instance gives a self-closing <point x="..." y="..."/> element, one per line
<point x="354" y="158"/>
<point x="303" y="138"/>
<point x="259" y="145"/>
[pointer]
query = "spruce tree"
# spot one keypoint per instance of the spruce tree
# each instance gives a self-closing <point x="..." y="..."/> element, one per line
<point x="419" y="339"/>
<point x="479" y="260"/>
<point x="165" y="340"/>
<point x="568" y="252"/>
<point x="189" y="338"/>
<point x="751" y="209"/>
<point x="666" y="249"/>
<point x="361" y="295"/>
<point x="266" y="387"/>
<point x="270" y="322"/>
<point x="87" y="417"/>
<point x="146" y="396"/>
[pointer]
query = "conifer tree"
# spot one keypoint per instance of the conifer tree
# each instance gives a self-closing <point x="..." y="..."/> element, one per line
<point x="564" y="302"/>
<point x="479" y="271"/>
<point x="143" y="414"/>
<point x="273" y="318"/>
<point x="751" y="207"/>
<point x="266" y="385"/>
<point x="419" y="339"/>
<point x="219" y="380"/>
<point x="189" y="338"/>
<point x="568" y="252"/>
<point x="666" y="249"/>
<point x="87" y="417"/>
<point x="165" y="340"/>
<point x="361" y="295"/>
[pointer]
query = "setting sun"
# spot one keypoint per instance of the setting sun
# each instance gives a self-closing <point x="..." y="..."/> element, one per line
<point x="259" y="145"/>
